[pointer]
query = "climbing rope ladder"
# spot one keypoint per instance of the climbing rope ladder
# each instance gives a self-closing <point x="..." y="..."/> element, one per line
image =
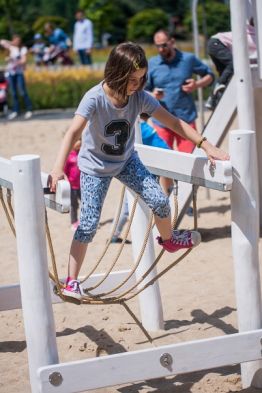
<point x="108" y="297"/>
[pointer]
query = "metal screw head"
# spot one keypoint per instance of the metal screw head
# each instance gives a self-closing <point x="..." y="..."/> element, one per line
<point x="55" y="379"/>
<point x="166" y="360"/>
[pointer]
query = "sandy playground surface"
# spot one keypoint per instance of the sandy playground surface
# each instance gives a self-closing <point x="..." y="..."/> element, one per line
<point x="198" y="294"/>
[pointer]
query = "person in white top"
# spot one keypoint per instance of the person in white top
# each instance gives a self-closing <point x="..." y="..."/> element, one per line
<point x="83" y="37"/>
<point x="16" y="63"/>
<point x="219" y="48"/>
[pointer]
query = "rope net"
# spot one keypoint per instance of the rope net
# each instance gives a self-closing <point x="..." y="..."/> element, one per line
<point x="130" y="291"/>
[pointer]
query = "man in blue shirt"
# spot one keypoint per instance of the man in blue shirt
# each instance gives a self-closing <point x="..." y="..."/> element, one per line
<point x="170" y="79"/>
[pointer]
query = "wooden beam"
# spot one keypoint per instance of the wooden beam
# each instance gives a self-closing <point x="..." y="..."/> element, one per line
<point x="186" y="167"/>
<point x="158" y="362"/>
<point x="60" y="201"/>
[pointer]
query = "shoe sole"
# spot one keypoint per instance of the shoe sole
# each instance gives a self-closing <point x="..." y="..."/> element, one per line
<point x="72" y="294"/>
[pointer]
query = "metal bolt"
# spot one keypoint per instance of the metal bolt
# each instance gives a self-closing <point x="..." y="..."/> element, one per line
<point x="166" y="360"/>
<point x="55" y="379"/>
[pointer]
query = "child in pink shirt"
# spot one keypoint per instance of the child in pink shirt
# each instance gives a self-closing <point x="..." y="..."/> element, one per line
<point x="73" y="174"/>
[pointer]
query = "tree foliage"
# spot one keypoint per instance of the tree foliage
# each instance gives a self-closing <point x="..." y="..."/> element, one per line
<point x="59" y="21"/>
<point x="108" y="17"/>
<point x="143" y="25"/>
<point x="216" y="14"/>
<point x="116" y="17"/>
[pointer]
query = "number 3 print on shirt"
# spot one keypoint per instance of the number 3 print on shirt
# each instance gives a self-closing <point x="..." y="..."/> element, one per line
<point x="121" y="130"/>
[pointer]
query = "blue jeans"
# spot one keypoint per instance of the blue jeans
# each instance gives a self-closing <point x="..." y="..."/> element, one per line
<point x="17" y="85"/>
<point x="94" y="190"/>
<point x="85" y="58"/>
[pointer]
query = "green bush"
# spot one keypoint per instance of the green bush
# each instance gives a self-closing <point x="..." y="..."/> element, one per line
<point x="142" y="26"/>
<point x="217" y="17"/>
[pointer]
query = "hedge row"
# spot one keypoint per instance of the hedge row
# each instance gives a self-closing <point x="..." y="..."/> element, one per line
<point x="61" y="87"/>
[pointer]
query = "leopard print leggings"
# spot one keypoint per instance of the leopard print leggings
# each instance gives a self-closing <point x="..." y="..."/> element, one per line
<point x="94" y="190"/>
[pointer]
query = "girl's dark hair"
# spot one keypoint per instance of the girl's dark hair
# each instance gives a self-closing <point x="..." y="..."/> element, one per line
<point x="123" y="60"/>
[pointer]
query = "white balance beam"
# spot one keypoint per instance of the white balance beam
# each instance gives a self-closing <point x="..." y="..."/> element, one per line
<point x="186" y="167"/>
<point x="60" y="201"/>
<point x="111" y="370"/>
<point x="10" y="296"/>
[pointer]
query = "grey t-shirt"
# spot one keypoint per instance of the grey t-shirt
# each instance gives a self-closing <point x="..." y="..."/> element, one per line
<point x="108" y="140"/>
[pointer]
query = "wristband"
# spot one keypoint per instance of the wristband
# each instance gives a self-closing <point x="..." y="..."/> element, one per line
<point x="201" y="141"/>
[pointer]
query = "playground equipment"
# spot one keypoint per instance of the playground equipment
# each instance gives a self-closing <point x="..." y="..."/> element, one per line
<point x="46" y="374"/>
<point x="22" y="174"/>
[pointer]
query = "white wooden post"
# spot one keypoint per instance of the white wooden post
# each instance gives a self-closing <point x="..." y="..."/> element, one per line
<point x="149" y="299"/>
<point x="244" y="89"/>
<point x="32" y="261"/>
<point x="245" y="236"/>
<point x="196" y="50"/>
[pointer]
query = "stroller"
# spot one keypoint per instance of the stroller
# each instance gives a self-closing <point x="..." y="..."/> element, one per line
<point x="55" y="54"/>
<point x="3" y="93"/>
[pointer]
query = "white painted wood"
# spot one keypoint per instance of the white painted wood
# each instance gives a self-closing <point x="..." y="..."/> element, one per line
<point x="186" y="167"/>
<point x="215" y="132"/>
<point x="10" y="297"/>
<point x="142" y="365"/>
<point x="59" y="201"/>
<point x="244" y="92"/>
<point x="194" y="6"/>
<point x="149" y="299"/>
<point x="257" y="88"/>
<point x="258" y="120"/>
<point x="32" y="261"/>
<point x="245" y="236"/>
<point x="258" y="7"/>
<point x="5" y="173"/>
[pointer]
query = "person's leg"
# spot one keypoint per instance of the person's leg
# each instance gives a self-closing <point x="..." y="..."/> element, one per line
<point x="93" y="193"/>
<point x="12" y="81"/>
<point x="140" y="180"/>
<point x="23" y="91"/>
<point x="74" y="205"/>
<point x="166" y="184"/>
<point x="122" y="219"/>
<point x="88" y="59"/>
<point x="223" y="60"/>
<point x="85" y="58"/>
<point x="81" y="56"/>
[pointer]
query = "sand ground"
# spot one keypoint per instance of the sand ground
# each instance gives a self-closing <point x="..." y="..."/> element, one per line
<point x="198" y="294"/>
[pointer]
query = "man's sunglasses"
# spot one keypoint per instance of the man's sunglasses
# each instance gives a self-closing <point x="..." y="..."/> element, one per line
<point x="162" y="46"/>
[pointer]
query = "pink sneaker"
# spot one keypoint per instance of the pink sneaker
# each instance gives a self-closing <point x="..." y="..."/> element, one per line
<point x="73" y="289"/>
<point x="180" y="240"/>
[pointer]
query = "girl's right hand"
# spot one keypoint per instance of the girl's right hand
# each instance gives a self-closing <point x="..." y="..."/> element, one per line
<point x="53" y="178"/>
